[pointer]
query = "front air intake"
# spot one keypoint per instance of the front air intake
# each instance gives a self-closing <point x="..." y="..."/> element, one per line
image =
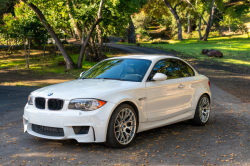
<point x="48" y="131"/>
<point x="40" y="103"/>
<point x="55" y="104"/>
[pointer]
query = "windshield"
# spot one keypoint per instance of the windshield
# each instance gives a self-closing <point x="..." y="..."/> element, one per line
<point x="119" y="69"/>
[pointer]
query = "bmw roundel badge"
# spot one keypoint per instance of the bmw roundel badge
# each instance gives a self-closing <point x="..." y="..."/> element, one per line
<point x="50" y="94"/>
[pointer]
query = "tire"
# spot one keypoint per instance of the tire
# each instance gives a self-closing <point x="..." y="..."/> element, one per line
<point x="121" y="128"/>
<point x="202" y="112"/>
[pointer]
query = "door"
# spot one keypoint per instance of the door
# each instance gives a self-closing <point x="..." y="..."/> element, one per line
<point x="166" y="99"/>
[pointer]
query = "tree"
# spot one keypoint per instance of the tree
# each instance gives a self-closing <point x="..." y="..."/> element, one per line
<point x="25" y="25"/>
<point x="76" y="25"/>
<point x="131" y="28"/>
<point x="7" y="6"/>
<point x="69" y="62"/>
<point x="210" y="21"/>
<point x="173" y="11"/>
<point x="131" y="32"/>
<point x="84" y="45"/>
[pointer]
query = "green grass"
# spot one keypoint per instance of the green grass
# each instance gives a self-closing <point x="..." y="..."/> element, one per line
<point x="42" y="71"/>
<point x="235" y="49"/>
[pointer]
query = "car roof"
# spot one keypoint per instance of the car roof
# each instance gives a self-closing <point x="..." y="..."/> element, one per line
<point x="144" y="56"/>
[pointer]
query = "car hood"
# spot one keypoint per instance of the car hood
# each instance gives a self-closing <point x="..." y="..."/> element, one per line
<point x="84" y="88"/>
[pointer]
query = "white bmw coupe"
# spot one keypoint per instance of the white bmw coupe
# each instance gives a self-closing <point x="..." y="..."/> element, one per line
<point x="118" y="98"/>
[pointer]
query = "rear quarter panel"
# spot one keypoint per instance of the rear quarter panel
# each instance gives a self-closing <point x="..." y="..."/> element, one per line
<point x="201" y="87"/>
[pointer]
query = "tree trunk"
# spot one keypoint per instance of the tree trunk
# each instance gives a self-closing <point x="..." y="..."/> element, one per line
<point x="55" y="49"/>
<point x="210" y="22"/>
<point x="84" y="46"/>
<point x="88" y="53"/>
<point x="195" y="8"/>
<point x="28" y="62"/>
<point x="173" y="11"/>
<point x="77" y="28"/>
<point x="200" y="36"/>
<point x="69" y="62"/>
<point x="131" y="32"/>
<point x="44" y="47"/>
<point x="83" y="33"/>
<point x="93" y="46"/>
<point x="100" y="41"/>
<point x="25" y="52"/>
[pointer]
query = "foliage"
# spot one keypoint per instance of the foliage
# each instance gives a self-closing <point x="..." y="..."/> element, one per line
<point x="7" y="6"/>
<point x="141" y="22"/>
<point x="158" y="41"/>
<point x="24" y="24"/>
<point x="232" y="21"/>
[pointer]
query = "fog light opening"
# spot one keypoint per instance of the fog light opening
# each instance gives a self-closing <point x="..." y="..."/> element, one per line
<point x="81" y="129"/>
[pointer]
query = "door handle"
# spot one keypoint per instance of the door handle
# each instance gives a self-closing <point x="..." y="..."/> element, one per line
<point x="181" y="86"/>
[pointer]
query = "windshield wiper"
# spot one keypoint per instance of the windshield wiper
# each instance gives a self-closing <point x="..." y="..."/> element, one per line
<point x="106" y="78"/>
<point x="85" y="78"/>
<point x="112" y="79"/>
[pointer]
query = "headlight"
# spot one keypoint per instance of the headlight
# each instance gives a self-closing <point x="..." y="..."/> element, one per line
<point x="85" y="104"/>
<point x="30" y="100"/>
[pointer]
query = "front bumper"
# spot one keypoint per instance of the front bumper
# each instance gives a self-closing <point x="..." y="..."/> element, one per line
<point x="96" y="120"/>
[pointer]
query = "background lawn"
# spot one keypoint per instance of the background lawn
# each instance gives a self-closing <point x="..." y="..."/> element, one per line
<point x="42" y="71"/>
<point x="235" y="49"/>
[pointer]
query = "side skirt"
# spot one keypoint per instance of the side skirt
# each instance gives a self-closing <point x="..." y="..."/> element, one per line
<point x="151" y="125"/>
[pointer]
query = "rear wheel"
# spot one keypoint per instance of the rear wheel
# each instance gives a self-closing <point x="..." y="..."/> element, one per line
<point x="202" y="112"/>
<point x="122" y="127"/>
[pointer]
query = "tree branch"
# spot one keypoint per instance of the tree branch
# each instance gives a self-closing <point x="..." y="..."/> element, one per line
<point x="100" y="10"/>
<point x="69" y="62"/>
<point x="84" y="45"/>
<point x="177" y="5"/>
<point x="197" y="11"/>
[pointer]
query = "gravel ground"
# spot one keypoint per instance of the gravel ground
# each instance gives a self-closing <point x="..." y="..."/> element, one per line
<point x="233" y="79"/>
<point x="223" y="141"/>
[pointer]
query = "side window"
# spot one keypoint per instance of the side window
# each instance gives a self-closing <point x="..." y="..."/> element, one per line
<point x="172" y="71"/>
<point x="159" y="66"/>
<point x="185" y="70"/>
<point x="169" y="67"/>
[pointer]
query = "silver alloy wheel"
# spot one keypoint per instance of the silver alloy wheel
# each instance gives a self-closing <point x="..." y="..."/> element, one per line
<point x="204" y="109"/>
<point x="125" y="126"/>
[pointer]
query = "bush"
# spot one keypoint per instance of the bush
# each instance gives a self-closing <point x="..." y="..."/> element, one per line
<point x="214" y="33"/>
<point x="159" y="41"/>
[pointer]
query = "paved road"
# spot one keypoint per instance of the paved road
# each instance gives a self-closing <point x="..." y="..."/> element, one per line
<point x="3" y="46"/>
<point x="223" y="141"/>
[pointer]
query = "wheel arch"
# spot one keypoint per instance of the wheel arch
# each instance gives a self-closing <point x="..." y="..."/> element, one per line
<point x="125" y="101"/>
<point x="209" y="97"/>
<point x="197" y="97"/>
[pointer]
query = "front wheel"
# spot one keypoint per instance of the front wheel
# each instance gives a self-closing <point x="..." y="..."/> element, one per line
<point x="202" y="112"/>
<point x="122" y="127"/>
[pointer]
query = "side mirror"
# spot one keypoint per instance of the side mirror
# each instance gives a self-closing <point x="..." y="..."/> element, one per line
<point x="159" y="77"/>
<point x="82" y="74"/>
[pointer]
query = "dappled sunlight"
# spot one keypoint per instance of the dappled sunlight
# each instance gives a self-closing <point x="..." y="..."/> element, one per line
<point x="235" y="49"/>
<point x="36" y="83"/>
<point x="233" y="77"/>
<point x="238" y="62"/>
